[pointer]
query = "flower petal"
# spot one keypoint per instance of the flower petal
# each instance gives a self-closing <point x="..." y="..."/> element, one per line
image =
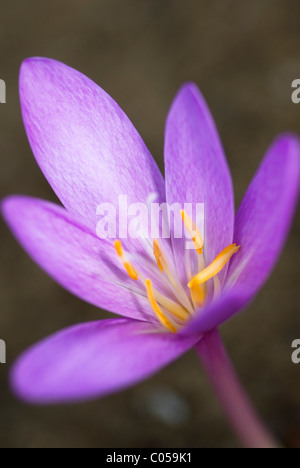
<point x="83" y="264"/>
<point x="265" y="215"/>
<point x="217" y="312"/>
<point x="197" y="171"/>
<point x="85" y="145"/>
<point x="262" y="224"/>
<point x="94" y="359"/>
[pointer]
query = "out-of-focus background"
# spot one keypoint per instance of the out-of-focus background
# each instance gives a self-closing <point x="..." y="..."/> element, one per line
<point x="244" y="56"/>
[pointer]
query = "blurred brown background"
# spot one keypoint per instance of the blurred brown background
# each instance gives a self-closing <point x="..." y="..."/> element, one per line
<point x="244" y="56"/>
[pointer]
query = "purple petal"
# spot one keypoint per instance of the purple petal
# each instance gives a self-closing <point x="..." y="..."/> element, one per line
<point x="265" y="215"/>
<point x="94" y="359"/>
<point x="217" y="312"/>
<point x="85" y="145"/>
<point x="262" y="224"/>
<point x="196" y="169"/>
<point x="83" y="264"/>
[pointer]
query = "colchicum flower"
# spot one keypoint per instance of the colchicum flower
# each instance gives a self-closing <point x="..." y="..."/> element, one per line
<point x="170" y="301"/>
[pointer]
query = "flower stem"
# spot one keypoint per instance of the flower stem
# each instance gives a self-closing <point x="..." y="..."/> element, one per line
<point x="233" y="399"/>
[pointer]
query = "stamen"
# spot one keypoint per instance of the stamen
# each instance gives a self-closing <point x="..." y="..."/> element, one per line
<point x="131" y="271"/>
<point x="175" y="309"/>
<point x="193" y="231"/>
<point x="215" y="267"/>
<point x="198" y="294"/>
<point x="119" y="248"/>
<point x="174" y="283"/>
<point x="160" y="315"/>
<point x="158" y="256"/>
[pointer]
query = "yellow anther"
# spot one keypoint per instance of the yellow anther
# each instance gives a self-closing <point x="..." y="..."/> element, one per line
<point x="119" y="248"/>
<point x="160" y="315"/>
<point x="131" y="271"/>
<point x="193" y="231"/>
<point x="158" y="256"/>
<point x="215" y="267"/>
<point x="198" y="294"/>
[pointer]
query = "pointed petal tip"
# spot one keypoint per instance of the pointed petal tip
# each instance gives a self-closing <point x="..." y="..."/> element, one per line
<point x="35" y="61"/>
<point x="30" y="70"/>
<point x="10" y="203"/>
<point x="36" y="72"/>
<point x="288" y="139"/>
<point x="6" y="205"/>
<point x="188" y="88"/>
<point x="287" y="146"/>
<point x="190" y="96"/>
<point x="18" y="391"/>
<point x="28" y="64"/>
<point x="288" y="143"/>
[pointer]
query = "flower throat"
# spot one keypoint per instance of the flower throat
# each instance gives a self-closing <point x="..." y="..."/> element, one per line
<point x="174" y="312"/>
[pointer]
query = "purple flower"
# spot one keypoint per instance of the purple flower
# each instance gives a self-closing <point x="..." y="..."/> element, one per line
<point x="90" y="152"/>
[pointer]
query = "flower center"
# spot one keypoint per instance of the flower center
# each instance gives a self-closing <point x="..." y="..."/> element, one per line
<point x="174" y="308"/>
